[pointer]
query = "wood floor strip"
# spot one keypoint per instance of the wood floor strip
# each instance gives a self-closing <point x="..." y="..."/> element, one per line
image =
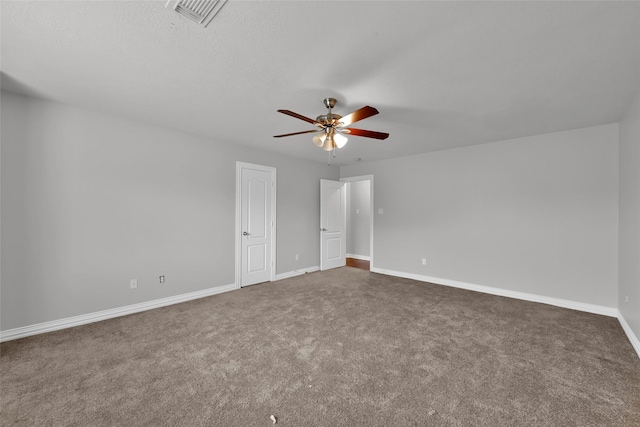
<point x="358" y="263"/>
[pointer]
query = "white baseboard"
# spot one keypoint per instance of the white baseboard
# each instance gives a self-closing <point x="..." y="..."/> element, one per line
<point x="295" y="273"/>
<point x="362" y="257"/>
<point x="70" y="322"/>
<point x="40" y="328"/>
<point x="574" y="305"/>
<point x="635" y="342"/>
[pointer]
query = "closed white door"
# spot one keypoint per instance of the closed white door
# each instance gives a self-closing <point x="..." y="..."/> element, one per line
<point x="333" y="224"/>
<point x="256" y="225"/>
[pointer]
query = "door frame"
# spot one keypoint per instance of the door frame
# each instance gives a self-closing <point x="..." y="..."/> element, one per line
<point x="371" y="211"/>
<point x="238" y="228"/>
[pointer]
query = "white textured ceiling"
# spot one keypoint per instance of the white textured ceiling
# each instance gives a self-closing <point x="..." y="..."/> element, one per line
<point x="442" y="74"/>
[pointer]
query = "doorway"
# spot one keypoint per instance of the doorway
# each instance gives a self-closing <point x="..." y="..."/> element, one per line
<point x="346" y="222"/>
<point x="359" y="221"/>
<point x="255" y="224"/>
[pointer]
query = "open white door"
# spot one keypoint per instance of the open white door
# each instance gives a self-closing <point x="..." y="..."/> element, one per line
<point x="257" y="217"/>
<point x="333" y="224"/>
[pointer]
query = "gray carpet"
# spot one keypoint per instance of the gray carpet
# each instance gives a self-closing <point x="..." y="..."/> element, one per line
<point x="344" y="347"/>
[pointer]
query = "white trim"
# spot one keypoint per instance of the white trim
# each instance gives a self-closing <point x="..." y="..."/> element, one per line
<point x="574" y="305"/>
<point x="238" y="260"/>
<point x="70" y="322"/>
<point x="295" y="273"/>
<point x="371" y="209"/>
<point x="635" y="342"/>
<point x="362" y="257"/>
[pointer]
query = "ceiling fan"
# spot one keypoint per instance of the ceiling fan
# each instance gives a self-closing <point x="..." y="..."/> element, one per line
<point x="333" y="126"/>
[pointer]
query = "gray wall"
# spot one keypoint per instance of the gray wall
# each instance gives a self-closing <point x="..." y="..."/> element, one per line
<point x="358" y="218"/>
<point x="536" y="215"/>
<point x="629" y="241"/>
<point x="90" y="201"/>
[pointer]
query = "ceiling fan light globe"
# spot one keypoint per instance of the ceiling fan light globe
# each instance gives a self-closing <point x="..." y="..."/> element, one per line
<point x="328" y="144"/>
<point x="318" y="140"/>
<point x="340" y="140"/>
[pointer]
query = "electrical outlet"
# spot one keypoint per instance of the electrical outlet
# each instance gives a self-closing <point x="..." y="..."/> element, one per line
<point x="297" y="257"/>
<point x="424" y="261"/>
<point x="133" y="284"/>
<point x="161" y="279"/>
<point x="626" y="299"/>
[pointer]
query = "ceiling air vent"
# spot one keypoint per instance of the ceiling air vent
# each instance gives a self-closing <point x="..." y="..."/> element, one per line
<point x="201" y="11"/>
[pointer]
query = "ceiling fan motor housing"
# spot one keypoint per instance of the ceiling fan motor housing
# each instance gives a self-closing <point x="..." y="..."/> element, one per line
<point x="329" y="120"/>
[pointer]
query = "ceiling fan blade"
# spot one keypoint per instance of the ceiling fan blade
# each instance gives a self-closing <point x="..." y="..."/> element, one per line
<point x="358" y="115"/>
<point x="365" y="133"/>
<point x="297" y="133"/>
<point x="299" y="116"/>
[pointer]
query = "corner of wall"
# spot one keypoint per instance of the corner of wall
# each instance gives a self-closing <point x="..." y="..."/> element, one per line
<point x="629" y="221"/>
